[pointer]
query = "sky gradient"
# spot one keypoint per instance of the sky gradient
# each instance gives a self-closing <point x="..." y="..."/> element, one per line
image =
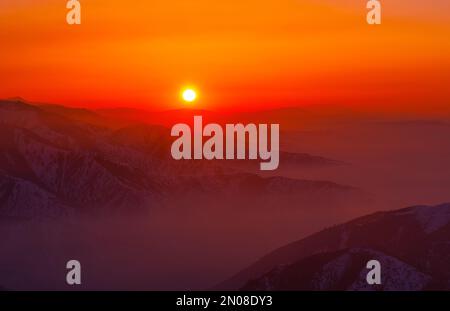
<point x="238" y="54"/>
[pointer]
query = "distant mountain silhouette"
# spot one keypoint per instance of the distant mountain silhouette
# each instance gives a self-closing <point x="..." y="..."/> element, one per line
<point x="412" y="245"/>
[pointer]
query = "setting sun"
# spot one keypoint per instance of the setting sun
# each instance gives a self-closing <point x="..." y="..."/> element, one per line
<point x="189" y="95"/>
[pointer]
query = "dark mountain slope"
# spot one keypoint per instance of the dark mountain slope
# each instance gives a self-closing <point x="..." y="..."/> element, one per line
<point x="418" y="236"/>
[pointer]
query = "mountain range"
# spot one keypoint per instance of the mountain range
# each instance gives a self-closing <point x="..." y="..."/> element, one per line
<point x="58" y="161"/>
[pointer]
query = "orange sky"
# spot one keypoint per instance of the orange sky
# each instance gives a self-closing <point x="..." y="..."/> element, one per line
<point x="238" y="53"/>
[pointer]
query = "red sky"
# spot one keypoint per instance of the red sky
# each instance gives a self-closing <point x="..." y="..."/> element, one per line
<point x="239" y="54"/>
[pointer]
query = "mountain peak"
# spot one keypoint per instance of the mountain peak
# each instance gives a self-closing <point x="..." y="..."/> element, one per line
<point x="16" y="99"/>
<point x="16" y="103"/>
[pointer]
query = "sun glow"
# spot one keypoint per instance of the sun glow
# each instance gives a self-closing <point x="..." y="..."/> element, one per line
<point x="189" y="95"/>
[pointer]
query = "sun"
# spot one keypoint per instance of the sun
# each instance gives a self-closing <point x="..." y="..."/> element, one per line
<point x="189" y="95"/>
